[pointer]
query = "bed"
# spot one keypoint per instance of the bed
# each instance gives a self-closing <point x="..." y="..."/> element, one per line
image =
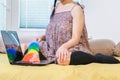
<point x="93" y="71"/>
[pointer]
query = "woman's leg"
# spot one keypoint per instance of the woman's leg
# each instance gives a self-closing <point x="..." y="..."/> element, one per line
<point x="79" y="57"/>
<point x="106" y="59"/>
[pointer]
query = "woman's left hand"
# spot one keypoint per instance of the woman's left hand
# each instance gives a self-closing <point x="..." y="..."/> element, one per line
<point x="63" y="56"/>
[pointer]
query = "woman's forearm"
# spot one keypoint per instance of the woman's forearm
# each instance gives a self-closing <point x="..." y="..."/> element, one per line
<point x="71" y="43"/>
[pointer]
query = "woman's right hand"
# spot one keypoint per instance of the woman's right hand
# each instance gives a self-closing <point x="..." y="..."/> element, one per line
<point x="40" y="38"/>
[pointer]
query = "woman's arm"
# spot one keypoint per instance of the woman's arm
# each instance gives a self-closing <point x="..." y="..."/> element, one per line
<point x="62" y="53"/>
<point x="40" y="38"/>
<point x="78" y="23"/>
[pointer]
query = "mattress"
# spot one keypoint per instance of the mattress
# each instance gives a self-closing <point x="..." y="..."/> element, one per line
<point x="93" y="71"/>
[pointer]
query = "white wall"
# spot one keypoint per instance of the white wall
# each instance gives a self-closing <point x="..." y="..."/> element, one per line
<point x="103" y="19"/>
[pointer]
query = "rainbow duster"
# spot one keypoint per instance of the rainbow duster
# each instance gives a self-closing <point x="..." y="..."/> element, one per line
<point x="32" y="55"/>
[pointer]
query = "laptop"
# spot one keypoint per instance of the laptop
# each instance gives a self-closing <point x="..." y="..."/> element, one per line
<point x="14" y="51"/>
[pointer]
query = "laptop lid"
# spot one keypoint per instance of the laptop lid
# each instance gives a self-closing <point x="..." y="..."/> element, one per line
<point x="12" y="45"/>
<point x="14" y="51"/>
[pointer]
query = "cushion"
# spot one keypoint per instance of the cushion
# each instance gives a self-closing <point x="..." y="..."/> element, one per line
<point x="117" y="49"/>
<point x="103" y="46"/>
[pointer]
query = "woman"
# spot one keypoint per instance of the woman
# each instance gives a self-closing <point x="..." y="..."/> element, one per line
<point x="66" y="37"/>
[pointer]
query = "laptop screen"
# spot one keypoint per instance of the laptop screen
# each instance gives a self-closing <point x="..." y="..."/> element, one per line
<point x="12" y="45"/>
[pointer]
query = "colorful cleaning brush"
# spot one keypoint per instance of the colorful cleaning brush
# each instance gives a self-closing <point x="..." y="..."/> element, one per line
<point x="32" y="55"/>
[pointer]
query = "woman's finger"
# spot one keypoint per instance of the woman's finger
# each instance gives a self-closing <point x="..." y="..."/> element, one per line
<point x="61" y="56"/>
<point x="38" y="39"/>
<point x="65" y="55"/>
<point x="58" y="55"/>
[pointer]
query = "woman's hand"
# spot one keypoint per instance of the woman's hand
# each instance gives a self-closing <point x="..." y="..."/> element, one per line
<point x="40" y="38"/>
<point x="63" y="56"/>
